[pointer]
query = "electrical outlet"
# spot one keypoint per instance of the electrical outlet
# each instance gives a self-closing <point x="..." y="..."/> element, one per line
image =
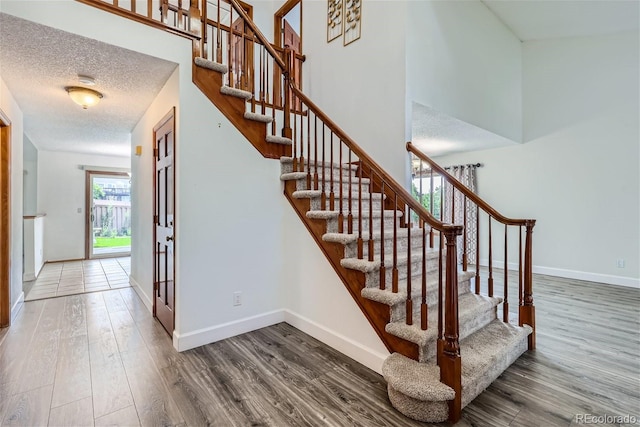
<point x="237" y="298"/>
<point x="620" y="263"/>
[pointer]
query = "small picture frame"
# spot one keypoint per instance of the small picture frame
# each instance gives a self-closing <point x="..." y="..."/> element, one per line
<point x="335" y="19"/>
<point x="352" y="10"/>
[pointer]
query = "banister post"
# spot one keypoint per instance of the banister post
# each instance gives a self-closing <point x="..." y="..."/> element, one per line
<point x="195" y="23"/>
<point x="450" y="361"/>
<point x="527" y="311"/>
<point x="286" y="126"/>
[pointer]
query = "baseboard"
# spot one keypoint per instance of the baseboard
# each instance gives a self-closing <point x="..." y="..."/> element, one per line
<point x="27" y="277"/>
<point x="17" y="306"/>
<point x="608" y="279"/>
<point x="204" y="336"/>
<point x="590" y="277"/>
<point x="145" y="299"/>
<point x="364" y="355"/>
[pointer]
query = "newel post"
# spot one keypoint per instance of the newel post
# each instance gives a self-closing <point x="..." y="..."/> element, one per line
<point x="527" y="312"/>
<point x="450" y="361"/>
<point x="286" y="127"/>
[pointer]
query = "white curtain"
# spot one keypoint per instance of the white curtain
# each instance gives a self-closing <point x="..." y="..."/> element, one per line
<point x="454" y="207"/>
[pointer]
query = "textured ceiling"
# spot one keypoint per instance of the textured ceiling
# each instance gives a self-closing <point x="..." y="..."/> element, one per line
<point x="37" y="62"/>
<point x="437" y="134"/>
<point x="545" y="19"/>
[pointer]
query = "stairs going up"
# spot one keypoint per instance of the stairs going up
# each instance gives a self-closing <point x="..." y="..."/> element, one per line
<point x="328" y="198"/>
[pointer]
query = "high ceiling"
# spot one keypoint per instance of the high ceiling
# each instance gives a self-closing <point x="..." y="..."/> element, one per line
<point x="37" y="62"/>
<point x="546" y="19"/>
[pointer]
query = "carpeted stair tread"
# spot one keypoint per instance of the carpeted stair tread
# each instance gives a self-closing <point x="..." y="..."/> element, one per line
<point x="470" y="307"/>
<point x="302" y="194"/>
<point x="289" y="176"/>
<point x="319" y="214"/>
<point x="335" y="165"/>
<point x="365" y="266"/>
<point x="258" y="117"/>
<point x="417" y="380"/>
<point x="282" y="140"/>
<point x="487" y="353"/>
<point x="386" y="296"/>
<point x="346" y="238"/>
<point x="215" y="66"/>
<point x="238" y="93"/>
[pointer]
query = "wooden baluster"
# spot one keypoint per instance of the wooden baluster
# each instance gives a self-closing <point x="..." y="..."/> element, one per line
<point x="296" y="160"/>
<point x="341" y="214"/>
<point x="453" y="204"/>
<point x="299" y="116"/>
<point x="383" y="270"/>
<point x="441" y="213"/>
<point x="520" y="299"/>
<point x="115" y="3"/>
<point x="309" y="176"/>
<point x="203" y="30"/>
<point x="371" y="248"/>
<point x="527" y="310"/>
<point x="440" y="302"/>
<point x="219" y="37"/>
<point x="360" y="213"/>
<point x="323" y="197"/>
<point x="164" y="12"/>
<point x="423" y="304"/>
<point x="315" y="150"/>
<point x="261" y="84"/>
<point x="409" y="302"/>
<point x="477" y="250"/>
<point x="179" y="18"/>
<point x="464" y="233"/>
<point x="505" y="304"/>
<point x="133" y="6"/>
<point x="150" y="9"/>
<point x="286" y="131"/>
<point x="350" y="202"/>
<point x="231" y="81"/>
<point x="450" y="363"/>
<point x="431" y="197"/>
<point x="490" y="280"/>
<point x="394" y="271"/>
<point x="331" y="192"/>
<point x="420" y="187"/>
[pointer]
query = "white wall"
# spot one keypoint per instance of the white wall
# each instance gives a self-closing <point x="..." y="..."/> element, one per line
<point x="61" y="196"/>
<point x="30" y="165"/>
<point x="361" y="86"/>
<point x="464" y="62"/>
<point x="578" y="172"/>
<point x="12" y="111"/>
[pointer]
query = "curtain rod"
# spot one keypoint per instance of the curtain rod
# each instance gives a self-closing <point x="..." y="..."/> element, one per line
<point x="468" y="165"/>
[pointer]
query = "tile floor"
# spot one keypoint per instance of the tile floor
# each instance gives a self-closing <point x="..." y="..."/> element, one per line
<point x="77" y="277"/>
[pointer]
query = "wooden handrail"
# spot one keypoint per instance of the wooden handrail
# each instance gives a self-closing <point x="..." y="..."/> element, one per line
<point x="389" y="181"/>
<point x="140" y="18"/>
<point x="470" y="194"/>
<point x="263" y="40"/>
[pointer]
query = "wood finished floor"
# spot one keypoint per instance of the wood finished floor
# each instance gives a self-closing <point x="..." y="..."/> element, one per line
<point x="100" y="359"/>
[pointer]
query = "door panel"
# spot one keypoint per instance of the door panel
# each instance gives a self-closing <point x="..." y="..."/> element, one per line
<point x="163" y="271"/>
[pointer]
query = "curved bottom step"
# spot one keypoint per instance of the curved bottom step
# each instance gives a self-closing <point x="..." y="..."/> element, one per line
<point x="415" y="389"/>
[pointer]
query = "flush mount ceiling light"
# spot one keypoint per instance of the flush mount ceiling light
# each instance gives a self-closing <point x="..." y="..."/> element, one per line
<point x="83" y="96"/>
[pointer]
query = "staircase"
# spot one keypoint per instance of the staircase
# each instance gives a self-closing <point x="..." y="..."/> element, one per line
<point x="398" y="262"/>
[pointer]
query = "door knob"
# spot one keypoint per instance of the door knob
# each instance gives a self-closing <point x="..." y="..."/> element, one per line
<point x="169" y="238"/>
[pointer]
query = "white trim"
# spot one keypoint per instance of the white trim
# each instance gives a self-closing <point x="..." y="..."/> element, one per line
<point x="27" y="277"/>
<point x="364" y="355"/>
<point x="215" y="333"/>
<point x="145" y="299"/>
<point x="17" y="306"/>
<point x="608" y="279"/>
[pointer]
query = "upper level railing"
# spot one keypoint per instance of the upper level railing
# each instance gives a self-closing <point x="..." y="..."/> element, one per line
<point x="441" y="200"/>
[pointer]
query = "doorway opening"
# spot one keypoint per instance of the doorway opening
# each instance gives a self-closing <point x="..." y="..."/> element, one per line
<point x="108" y="232"/>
